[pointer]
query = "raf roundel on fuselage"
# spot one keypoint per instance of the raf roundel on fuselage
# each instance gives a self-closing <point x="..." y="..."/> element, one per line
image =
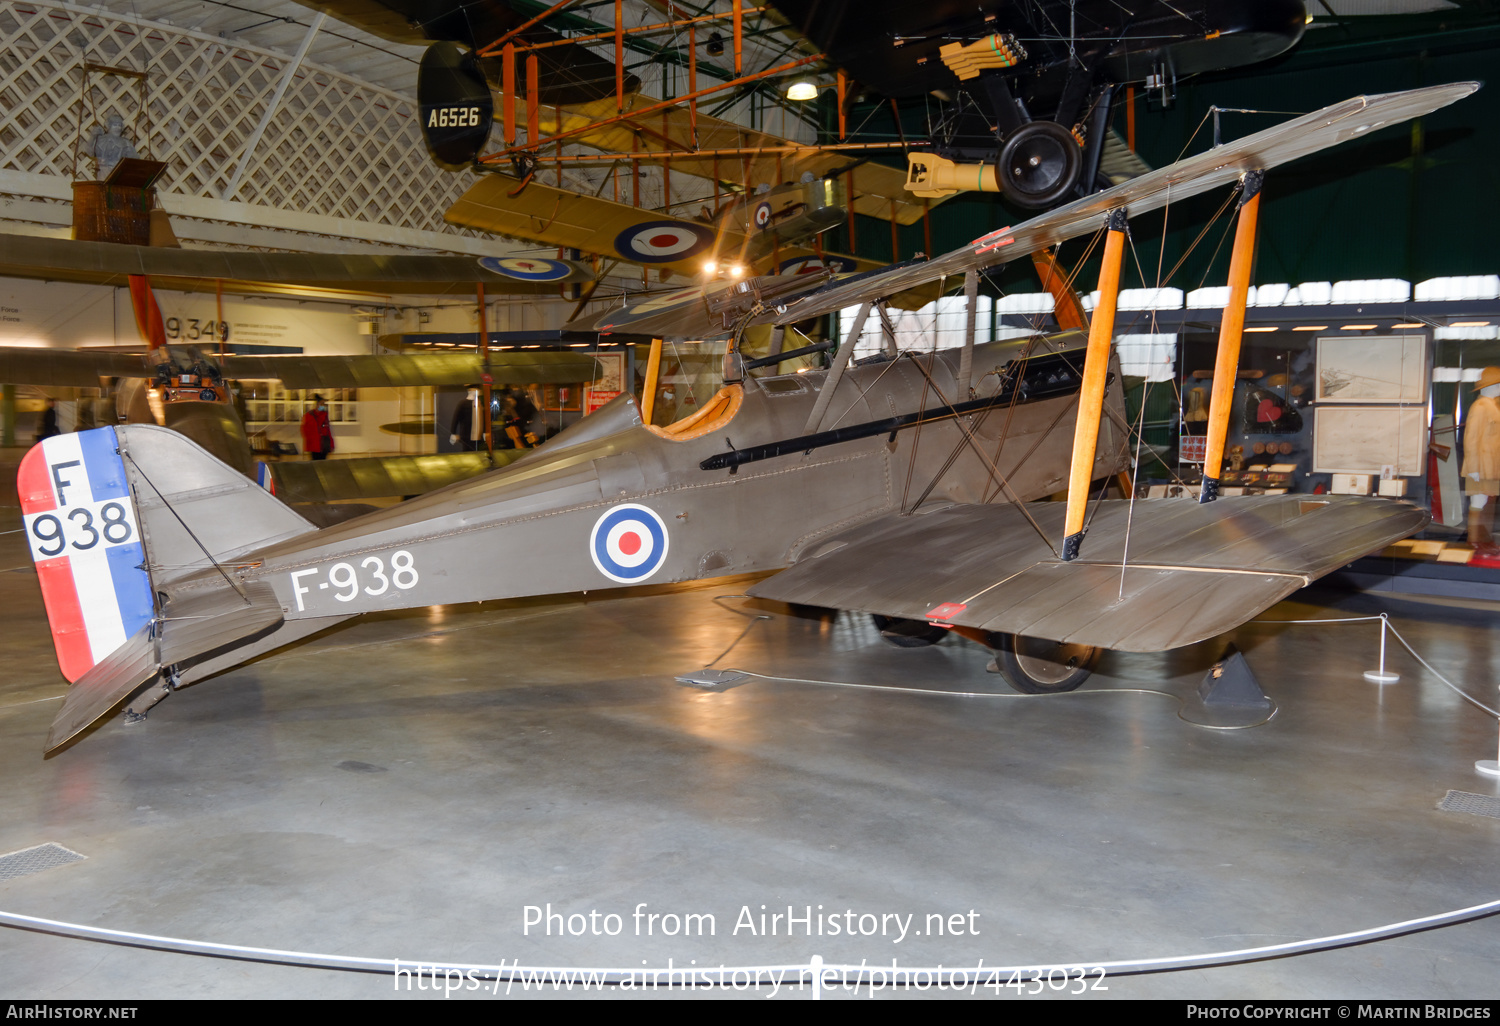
<point x="629" y="543"/>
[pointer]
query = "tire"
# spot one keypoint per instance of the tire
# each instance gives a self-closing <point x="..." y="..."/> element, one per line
<point x="1034" y="666"/>
<point x="1039" y="164"/>
<point x="908" y="633"/>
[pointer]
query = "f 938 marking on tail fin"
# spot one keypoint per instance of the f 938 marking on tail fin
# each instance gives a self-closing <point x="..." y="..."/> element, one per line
<point x="81" y="527"/>
<point x="81" y="524"/>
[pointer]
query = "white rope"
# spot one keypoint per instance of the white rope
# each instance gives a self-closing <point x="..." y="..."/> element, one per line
<point x="849" y="973"/>
<point x="1407" y="645"/>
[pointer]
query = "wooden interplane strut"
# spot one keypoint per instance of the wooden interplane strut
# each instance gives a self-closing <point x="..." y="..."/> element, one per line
<point x="1095" y="375"/>
<point x="1231" y="330"/>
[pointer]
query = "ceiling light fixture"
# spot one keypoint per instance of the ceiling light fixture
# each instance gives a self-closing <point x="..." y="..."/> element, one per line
<point x="802" y="89"/>
<point x="1311" y="327"/>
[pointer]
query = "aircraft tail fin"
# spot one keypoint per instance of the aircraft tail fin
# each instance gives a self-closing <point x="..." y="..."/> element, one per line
<point x="115" y="516"/>
<point x="194" y="508"/>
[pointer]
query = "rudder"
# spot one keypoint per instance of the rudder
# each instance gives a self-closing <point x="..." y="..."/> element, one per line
<point x="86" y="542"/>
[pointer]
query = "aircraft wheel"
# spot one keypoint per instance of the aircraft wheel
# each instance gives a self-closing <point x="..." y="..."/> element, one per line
<point x="908" y="633"/>
<point x="1034" y="666"/>
<point x="1039" y="164"/>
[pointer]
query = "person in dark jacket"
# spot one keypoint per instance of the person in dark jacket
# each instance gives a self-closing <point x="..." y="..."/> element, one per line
<point x="48" y="424"/>
<point x="462" y="430"/>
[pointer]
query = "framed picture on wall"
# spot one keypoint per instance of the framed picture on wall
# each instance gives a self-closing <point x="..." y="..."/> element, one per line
<point x="1366" y="439"/>
<point x="1372" y="369"/>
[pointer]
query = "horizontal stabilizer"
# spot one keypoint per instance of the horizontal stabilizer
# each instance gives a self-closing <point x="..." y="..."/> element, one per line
<point x="205" y="623"/>
<point x="1193" y="571"/>
<point x="188" y="629"/>
<point x="107" y="684"/>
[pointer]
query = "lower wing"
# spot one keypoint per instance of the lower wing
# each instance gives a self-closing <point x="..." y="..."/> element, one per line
<point x="1191" y="571"/>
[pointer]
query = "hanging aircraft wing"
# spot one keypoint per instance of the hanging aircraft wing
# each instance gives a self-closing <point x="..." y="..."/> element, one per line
<point x="1217" y="167"/>
<point x="1187" y="575"/>
<point x="508" y="368"/>
<point x="541" y="213"/>
<point x="711" y="310"/>
<point x="195" y="270"/>
<point x="68" y="368"/>
<point x="876" y="186"/>
<point x="372" y="477"/>
<point x="84" y="367"/>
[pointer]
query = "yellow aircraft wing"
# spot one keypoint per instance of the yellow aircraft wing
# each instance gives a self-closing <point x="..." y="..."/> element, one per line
<point x="541" y="213"/>
<point x="876" y="186"/>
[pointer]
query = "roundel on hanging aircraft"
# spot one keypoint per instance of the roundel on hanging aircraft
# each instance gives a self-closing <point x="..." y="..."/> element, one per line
<point x="527" y="268"/>
<point x="762" y="215"/>
<point x="628" y="543"/>
<point x="812" y="265"/>
<point x="661" y="242"/>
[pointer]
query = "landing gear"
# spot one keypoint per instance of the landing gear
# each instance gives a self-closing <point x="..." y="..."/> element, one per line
<point x="1034" y="666"/>
<point x="908" y="633"/>
<point x="1039" y="164"/>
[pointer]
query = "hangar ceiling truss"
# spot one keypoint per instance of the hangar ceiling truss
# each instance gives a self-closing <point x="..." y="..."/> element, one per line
<point x="333" y="146"/>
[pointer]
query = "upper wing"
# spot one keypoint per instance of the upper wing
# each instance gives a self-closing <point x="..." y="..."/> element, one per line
<point x="1219" y="166"/>
<point x="1194" y="570"/>
<point x="541" y="213"/>
<point x="876" y="186"/>
<point x="109" y="263"/>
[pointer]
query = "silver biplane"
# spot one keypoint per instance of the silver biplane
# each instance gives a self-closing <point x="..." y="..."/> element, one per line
<point x="906" y="487"/>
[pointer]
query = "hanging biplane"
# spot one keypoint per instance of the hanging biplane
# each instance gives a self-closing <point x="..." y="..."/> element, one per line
<point x="181" y="384"/>
<point x="1029" y="86"/>
<point x="771" y="198"/>
<point x="907" y="488"/>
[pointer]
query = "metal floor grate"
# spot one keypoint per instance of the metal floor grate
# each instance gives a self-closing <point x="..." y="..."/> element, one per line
<point x="1473" y="804"/>
<point x="34" y="860"/>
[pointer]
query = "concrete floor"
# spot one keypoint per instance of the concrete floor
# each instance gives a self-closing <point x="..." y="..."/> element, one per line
<point x="406" y="785"/>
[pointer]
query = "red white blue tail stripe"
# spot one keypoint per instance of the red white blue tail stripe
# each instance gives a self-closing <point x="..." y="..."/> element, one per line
<point x="80" y="520"/>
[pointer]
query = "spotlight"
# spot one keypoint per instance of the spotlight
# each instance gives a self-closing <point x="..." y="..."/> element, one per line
<point x="710" y="266"/>
<point x="736" y="271"/>
<point x="802" y="89"/>
<point x="715" y="45"/>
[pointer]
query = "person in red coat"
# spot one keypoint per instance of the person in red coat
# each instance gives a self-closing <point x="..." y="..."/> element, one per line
<point x="317" y="436"/>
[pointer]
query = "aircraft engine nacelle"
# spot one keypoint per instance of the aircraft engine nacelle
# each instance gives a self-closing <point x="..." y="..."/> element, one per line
<point x="455" y="104"/>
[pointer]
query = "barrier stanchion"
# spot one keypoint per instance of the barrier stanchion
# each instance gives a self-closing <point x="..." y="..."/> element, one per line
<point x="1381" y="675"/>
